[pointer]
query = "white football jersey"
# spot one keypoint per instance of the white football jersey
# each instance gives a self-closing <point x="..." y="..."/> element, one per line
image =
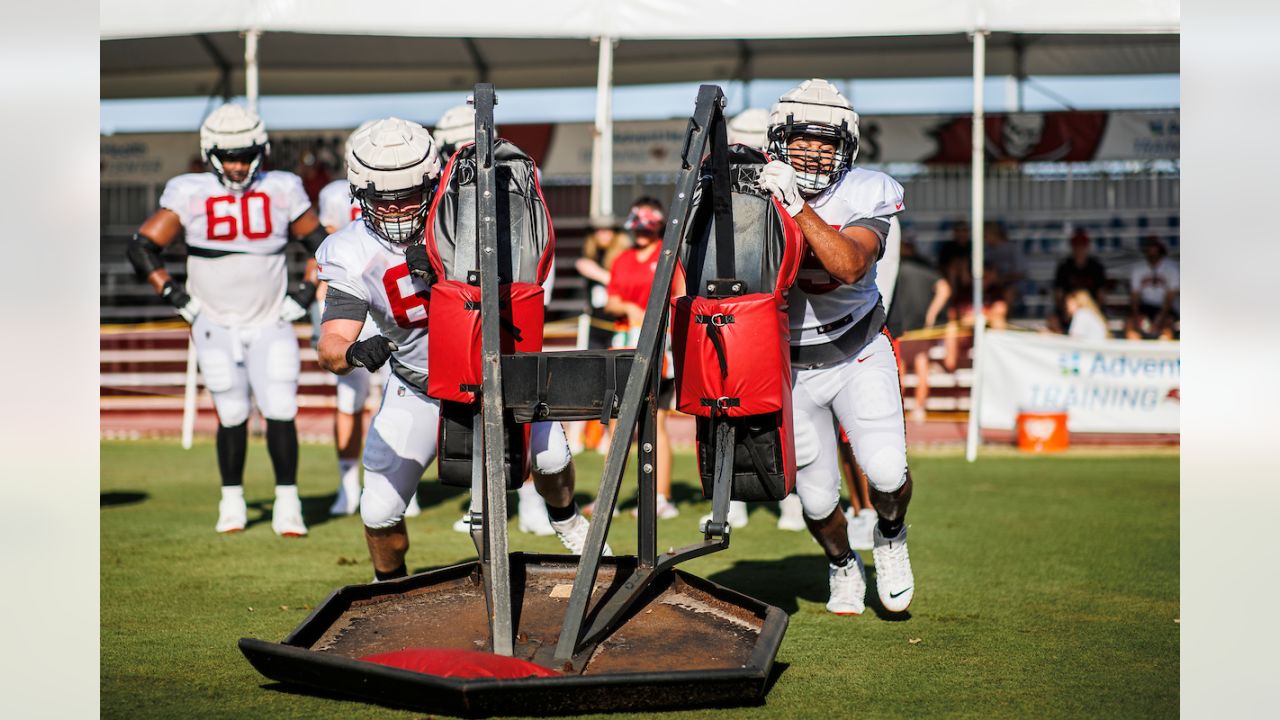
<point x="363" y="265"/>
<point x="337" y="207"/>
<point x="236" y="267"/>
<point x="817" y="298"/>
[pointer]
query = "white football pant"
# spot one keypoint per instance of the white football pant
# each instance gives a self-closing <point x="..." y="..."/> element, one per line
<point x="237" y="360"/>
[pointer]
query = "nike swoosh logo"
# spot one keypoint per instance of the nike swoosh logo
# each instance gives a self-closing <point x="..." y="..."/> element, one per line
<point x="894" y="595"/>
<point x="863" y="359"/>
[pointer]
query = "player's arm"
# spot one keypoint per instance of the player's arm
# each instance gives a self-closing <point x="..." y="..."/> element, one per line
<point x="307" y="230"/>
<point x="340" y="349"/>
<point x="156" y="233"/>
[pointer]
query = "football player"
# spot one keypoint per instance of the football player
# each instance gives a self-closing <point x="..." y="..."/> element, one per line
<point x="237" y="219"/>
<point x="842" y="360"/>
<point x="337" y="210"/>
<point x="378" y="267"/>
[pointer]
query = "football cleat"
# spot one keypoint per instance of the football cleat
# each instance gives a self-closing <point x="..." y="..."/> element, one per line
<point x="348" y="500"/>
<point x="232" y="515"/>
<point x="848" y="588"/>
<point x="791" y="514"/>
<point x="286" y="513"/>
<point x="532" y="512"/>
<point x="573" y="534"/>
<point x="894" y="580"/>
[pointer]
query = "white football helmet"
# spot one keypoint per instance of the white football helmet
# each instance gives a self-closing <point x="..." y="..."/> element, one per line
<point x="457" y="126"/>
<point x="816" y="109"/>
<point x="393" y="166"/>
<point x="750" y="128"/>
<point x="234" y="133"/>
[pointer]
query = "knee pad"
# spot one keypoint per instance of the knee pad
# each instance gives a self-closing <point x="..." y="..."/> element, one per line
<point x="550" y="448"/>
<point x="886" y="469"/>
<point x="380" y="505"/>
<point x="353" y="391"/>
<point x="232" y="406"/>
<point x="345" y="398"/>
<point x="283" y="367"/>
<point x="818" y="499"/>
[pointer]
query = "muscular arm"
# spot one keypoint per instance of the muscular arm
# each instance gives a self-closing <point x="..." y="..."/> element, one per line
<point x="335" y="337"/>
<point x="162" y="228"/>
<point x="847" y="254"/>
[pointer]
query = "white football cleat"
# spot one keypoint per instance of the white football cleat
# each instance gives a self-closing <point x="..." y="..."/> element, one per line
<point x="894" y="580"/>
<point x="861" y="526"/>
<point x="232" y="514"/>
<point x="791" y="514"/>
<point x="463" y="525"/>
<point x="573" y="534"/>
<point x="286" y="513"/>
<point x="532" y="512"/>
<point x="848" y="588"/>
<point x="412" y="509"/>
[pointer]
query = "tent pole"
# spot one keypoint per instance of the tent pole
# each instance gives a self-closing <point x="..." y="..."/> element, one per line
<point x="251" y="68"/>
<point x="602" y="142"/>
<point x="976" y="237"/>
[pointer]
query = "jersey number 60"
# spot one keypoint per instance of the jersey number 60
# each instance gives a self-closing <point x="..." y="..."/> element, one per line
<point x="255" y="216"/>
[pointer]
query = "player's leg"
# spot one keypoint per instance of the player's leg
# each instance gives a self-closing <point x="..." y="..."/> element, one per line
<point x="818" y="486"/>
<point x="274" y="365"/>
<point x="400" y="446"/>
<point x="228" y="383"/>
<point x="553" y="476"/>
<point x="348" y="437"/>
<point x="869" y="405"/>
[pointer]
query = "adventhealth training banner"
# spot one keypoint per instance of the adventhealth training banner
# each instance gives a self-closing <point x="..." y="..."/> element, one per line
<point x="1120" y="386"/>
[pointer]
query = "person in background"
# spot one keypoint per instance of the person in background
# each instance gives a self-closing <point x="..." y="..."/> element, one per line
<point x="1087" y="322"/>
<point x="1007" y="260"/>
<point x="920" y="299"/>
<point x="1079" y="271"/>
<point x="597" y="328"/>
<point x="1153" y="294"/>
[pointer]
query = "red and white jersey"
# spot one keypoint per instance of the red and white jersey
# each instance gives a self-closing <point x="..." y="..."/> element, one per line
<point x="363" y="265"/>
<point x="236" y="265"/>
<point x="817" y="298"/>
<point x="337" y="207"/>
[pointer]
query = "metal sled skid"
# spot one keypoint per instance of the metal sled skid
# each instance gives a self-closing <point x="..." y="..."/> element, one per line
<point x="688" y="643"/>
<point x="625" y="633"/>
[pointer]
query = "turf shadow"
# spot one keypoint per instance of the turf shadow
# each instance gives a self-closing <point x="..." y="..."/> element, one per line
<point x="121" y="497"/>
<point x="781" y="582"/>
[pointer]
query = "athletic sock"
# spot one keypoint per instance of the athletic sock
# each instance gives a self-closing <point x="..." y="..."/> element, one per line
<point x="346" y="466"/>
<point x="560" y="514"/>
<point x="282" y="446"/>
<point x="233" y="491"/>
<point x="399" y="572"/>
<point x="843" y="560"/>
<point x="232" y="443"/>
<point x="890" y="528"/>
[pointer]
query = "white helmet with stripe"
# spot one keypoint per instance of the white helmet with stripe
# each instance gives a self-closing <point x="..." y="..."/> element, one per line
<point x="232" y="132"/>
<point x="815" y="109"/>
<point x="393" y="165"/>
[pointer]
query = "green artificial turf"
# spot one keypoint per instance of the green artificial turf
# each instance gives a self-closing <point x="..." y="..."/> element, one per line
<point x="1046" y="587"/>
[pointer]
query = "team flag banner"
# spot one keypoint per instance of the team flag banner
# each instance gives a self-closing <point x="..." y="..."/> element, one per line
<point x="1107" y="386"/>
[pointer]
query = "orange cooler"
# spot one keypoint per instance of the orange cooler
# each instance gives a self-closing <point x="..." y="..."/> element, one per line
<point x="1042" y="431"/>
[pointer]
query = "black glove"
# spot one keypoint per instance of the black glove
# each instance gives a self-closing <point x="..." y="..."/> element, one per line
<point x="371" y="353"/>
<point x="296" y="301"/>
<point x="415" y="256"/>
<point x="304" y="293"/>
<point x="187" y="306"/>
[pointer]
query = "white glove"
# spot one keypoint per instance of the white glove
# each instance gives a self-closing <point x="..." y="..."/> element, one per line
<point x="291" y="310"/>
<point x="187" y="306"/>
<point x="779" y="178"/>
<point x="190" y="310"/>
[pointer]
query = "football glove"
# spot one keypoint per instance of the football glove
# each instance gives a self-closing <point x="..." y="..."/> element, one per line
<point x="779" y="178"/>
<point x="372" y="353"/>
<point x="187" y="306"/>
<point x="415" y="256"/>
<point x="296" y="302"/>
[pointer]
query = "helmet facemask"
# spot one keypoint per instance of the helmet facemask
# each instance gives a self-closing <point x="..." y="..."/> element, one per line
<point x="397" y="216"/>
<point x="253" y="155"/>
<point x="816" y="170"/>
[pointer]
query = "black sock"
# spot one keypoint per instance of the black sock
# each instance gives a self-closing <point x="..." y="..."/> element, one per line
<point x="890" y="528"/>
<point x="397" y="573"/>
<point x="843" y="560"/>
<point x="560" y="514"/>
<point x="231" y="443"/>
<point x="282" y="445"/>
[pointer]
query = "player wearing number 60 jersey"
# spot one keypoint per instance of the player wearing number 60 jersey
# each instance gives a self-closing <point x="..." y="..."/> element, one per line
<point x="378" y="266"/>
<point x="237" y="220"/>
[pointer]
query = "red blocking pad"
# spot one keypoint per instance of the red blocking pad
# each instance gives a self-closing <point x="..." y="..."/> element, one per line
<point x="444" y="662"/>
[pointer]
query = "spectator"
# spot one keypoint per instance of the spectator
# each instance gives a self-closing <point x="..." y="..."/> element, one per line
<point x="1006" y="259"/>
<point x="1080" y="271"/>
<point x="605" y="243"/>
<point x="1153" y="294"/>
<point x="630" y="281"/>
<point x="960" y="276"/>
<point x="1087" y="322"/>
<point x="920" y="297"/>
<point x="959" y="246"/>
